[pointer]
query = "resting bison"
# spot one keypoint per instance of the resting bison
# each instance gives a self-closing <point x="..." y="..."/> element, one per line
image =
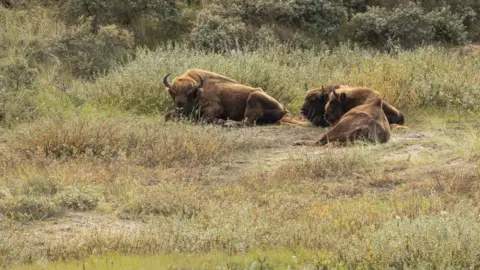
<point x="366" y="121"/>
<point x="313" y="107"/>
<point x="215" y="98"/>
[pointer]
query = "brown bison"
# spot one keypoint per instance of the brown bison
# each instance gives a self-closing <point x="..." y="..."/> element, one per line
<point x="215" y="99"/>
<point x="313" y="107"/>
<point x="367" y="121"/>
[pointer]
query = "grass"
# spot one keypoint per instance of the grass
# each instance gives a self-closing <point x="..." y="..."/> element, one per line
<point x="354" y="206"/>
<point x="95" y="171"/>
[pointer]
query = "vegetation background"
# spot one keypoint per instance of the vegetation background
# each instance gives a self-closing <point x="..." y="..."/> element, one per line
<point x="86" y="157"/>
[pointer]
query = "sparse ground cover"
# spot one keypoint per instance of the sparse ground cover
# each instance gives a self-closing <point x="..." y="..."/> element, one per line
<point x="411" y="202"/>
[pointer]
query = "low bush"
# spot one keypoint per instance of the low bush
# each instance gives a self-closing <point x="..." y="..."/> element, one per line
<point x="78" y="198"/>
<point x="146" y="144"/>
<point x="87" y="54"/>
<point x="17" y="88"/>
<point x="166" y="199"/>
<point x="407" y="26"/>
<point x="152" y="22"/>
<point x="25" y="208"/>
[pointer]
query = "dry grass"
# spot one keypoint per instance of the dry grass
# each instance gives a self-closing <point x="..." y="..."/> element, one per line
<point x="356" y="206"/>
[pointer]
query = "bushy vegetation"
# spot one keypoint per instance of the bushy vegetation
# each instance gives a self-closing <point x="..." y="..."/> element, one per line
<point x="224" y="25"/>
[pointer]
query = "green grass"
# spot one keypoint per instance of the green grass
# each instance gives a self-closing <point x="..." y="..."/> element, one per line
<point x="297" y="259"/>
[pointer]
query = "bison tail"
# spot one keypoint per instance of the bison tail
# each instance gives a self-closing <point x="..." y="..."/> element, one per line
<point x="288" y="120"/>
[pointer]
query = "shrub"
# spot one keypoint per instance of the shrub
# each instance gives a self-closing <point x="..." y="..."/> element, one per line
<point x="166" y="199"/>
<point x="87" y="54"/>
<point x="16" y="91"/>
<point x="148" y="145"/>
<point x="151" y="21"/>
<point x="39" y="185"/>
<point x="322" y="18"/>
<point x="371" y="28"/>
<point x="17" y="74"/>
<point x="26" y="208"/>
<point x="407" y="26"/>
<point x="78" y="198"/>
<point x="213" y="32"/>
<point x="449" y="27"/>
<point x="65" y="139"/>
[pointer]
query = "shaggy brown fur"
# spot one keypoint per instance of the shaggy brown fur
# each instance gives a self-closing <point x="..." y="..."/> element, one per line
<point x="215" y="99"/>
<point x="367" y="121"/>
<point x="313" y="107"/>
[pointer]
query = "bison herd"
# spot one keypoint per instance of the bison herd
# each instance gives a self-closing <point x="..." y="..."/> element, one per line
<point x="353" y="113"/>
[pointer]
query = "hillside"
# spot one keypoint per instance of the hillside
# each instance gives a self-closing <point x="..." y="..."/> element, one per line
<point x="92" y="177"/>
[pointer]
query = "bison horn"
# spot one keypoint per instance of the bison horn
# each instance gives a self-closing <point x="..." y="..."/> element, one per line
<point x="201" y="81"/>
<point x="306" y="88"/>
<point x="165" y="81"/>
<point x="336" y="94"/>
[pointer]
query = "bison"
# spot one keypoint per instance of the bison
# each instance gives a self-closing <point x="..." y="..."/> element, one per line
<point x="313" y="108"/>
<point x="217" y="99"/>
<point x="367" y="121"/>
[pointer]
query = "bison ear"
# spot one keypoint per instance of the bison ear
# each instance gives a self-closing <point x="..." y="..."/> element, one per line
<point x="343" y="97"/>
<point x="320" y="95"/>
<point x="169" y="91"/>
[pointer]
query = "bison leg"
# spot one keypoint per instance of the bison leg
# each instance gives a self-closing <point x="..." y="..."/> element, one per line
<point x="393" y="115"/>
<point x="308" y="142"/>
<point x="212" y="113"/>
<point x="261" y="108"/>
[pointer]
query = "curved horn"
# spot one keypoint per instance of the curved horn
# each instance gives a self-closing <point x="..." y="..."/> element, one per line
<point x="335" y="94"/>
<point x="165" y="81"/>
<point x="306" y="87"/>
<point x="201" y="81"/>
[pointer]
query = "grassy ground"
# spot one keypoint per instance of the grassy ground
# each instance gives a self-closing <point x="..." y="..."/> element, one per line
<point x="411" y="202"/>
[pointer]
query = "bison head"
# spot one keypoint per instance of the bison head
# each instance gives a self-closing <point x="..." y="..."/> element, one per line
<point x="313" y="108"/>
<point x="184" y="92"/>
<point x="336" y="107"/>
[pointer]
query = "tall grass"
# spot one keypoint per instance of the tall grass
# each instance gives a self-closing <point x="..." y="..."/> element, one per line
<point x="426" y="77"/>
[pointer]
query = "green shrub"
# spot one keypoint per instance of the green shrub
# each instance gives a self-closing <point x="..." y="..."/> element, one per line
<point x="39" y="185"/>
<point x="213" y="32"/>
<point x="17" y="88"/>
<point x="407" y="26"/>
<point x="322" y="18"/>
<point x="449" y="27"/>
<point x="17" y="74"/>
<point x="86" y="54"/>
<point x="78" y="198"/>
<point x="166" y="199"/>
<point x="371" y="28"/>
<point x="151" y="21"/>
<point x="26" y="208"/>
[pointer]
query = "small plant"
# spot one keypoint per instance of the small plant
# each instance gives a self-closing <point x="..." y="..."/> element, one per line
<point x="78" y="198"/>
<point x="87" y="54"/>
<point x="26" y="208"/>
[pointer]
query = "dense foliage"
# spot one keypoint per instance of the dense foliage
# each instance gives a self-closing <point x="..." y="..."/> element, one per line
<point x="223" y="25"/>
